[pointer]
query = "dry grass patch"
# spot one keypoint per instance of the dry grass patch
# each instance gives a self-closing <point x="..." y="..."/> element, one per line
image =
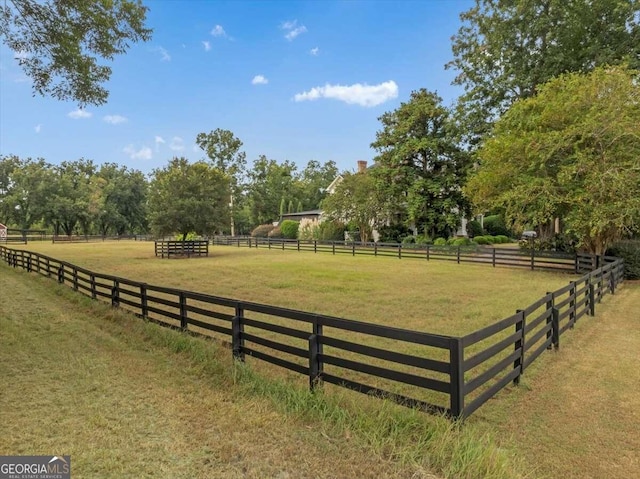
<point x="437" y="296"/>
<point x="127" y="398"/>
<point x="576" y="412"/>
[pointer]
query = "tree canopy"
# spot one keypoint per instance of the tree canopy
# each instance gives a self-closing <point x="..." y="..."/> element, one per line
<point x="506" y="48"/>
<point x="188" y="197"/>
<point x="420" y="168"/>
<point x="573" y="152"/>
<point x="355" y="200"/>
<point x="59" y="42"/>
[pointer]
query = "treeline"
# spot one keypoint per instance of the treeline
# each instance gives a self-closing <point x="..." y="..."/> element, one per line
<point x="82" y="197"/>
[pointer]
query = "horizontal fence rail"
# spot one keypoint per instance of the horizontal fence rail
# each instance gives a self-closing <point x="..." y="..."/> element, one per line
<point x="181" y="248"/>
<point x="530" y="259"/>
<point x="435" y="373"/>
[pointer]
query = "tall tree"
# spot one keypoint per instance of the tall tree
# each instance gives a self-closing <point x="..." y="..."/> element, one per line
<point x="223" y="149"/>
<point x="357" y="200"/>
<point x="269" y="184"/>
<point x="70" y="200"/>
<point x="25" y="195"/>
<point x="185" y="197"/>
<point x="572" y="151"/>
<point x="122" y="196"/>
<point x="420" y="167"/>
<point x="314" y="179"/>
<point x="59" y="42"/>
<point x="506" y="48"/>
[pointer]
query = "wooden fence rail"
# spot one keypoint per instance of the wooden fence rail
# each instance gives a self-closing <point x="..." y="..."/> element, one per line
<point x="454" y="375"/>
<point x="181" y="248"/>
<point x="530" y="259"/>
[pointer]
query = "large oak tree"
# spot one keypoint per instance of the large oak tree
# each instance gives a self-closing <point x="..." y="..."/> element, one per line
<point x="573" y="152"/>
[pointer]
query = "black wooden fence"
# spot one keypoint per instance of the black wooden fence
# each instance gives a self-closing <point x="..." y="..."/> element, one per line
<point x="454" y="375"/>
<point x="531" y="259"/>
<point x="181" y="248"/>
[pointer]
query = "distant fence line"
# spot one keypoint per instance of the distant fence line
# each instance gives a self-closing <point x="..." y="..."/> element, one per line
<point x="531" y="259"/>
<point x="450" y="374"/>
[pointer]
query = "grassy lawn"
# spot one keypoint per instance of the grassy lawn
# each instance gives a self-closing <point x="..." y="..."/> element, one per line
<point x="127" y="398"/>
<point x="438" y="296"/>
<point x="575" y="415"/>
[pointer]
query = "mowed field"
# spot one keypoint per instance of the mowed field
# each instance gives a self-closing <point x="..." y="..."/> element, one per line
<point x="437" y="296"/>
<point x="574" y="414"/>
<point x="129" y="399"/>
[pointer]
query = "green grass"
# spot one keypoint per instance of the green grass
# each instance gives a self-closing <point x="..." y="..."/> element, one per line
<point x="437" y="296"/>
<point x="127" y="398"/>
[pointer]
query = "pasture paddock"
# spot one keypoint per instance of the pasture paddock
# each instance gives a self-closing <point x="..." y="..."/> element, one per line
<point x="465" y="371"/>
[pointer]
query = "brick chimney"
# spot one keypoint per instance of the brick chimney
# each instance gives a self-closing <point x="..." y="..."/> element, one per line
<point x="362" y="166"/>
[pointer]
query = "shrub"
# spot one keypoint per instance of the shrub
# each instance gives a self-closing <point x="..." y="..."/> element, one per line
<point x="462" y="242"/>
<point x="331" y="231"/>
<point x="394" y="233"/>
<point x="308" y="229"/>
<point x="491" y="239"/>
<point x="481" y="240"/>
<point x="275" y="233"/>
<point x="190" y="236"/>
<point x="558" y="242"/>
<point x="289" y="229"/>
<point x="495" y="225"/>
<point x="629" y="251"/>
<point x="439" y="242"/>
<point x="502" y="239"/>
<point x="423" y="240"/>
<point x="408" y="240"/>
<point x="450" y="241"/>
<point x="474" y="228"/>
<point x="262" y="231"/>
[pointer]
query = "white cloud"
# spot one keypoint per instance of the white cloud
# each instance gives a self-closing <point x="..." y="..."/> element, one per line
<point x="218" y="31"/>
<point x="206" y="45"/>
<point x="143" y="153"/>
<point x="177" y="144"/>
<point x="79" y="113"/>
<point x="115" y="119"/>
<point x="164" y="54"/>
<point x="314" y="51"/>
<point x="37" y="128"/>
<point x="292" y="29"/>
<point x="159" y="140"/>
<point x="259" y="80"/>
<point x="358" y="94"/>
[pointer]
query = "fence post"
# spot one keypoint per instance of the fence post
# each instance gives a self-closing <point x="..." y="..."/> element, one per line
<point x="375" y="249"/>
<point x="399" y="250"/>
<point x="237" y="328"/>
<point x="572" y="304"/>
<point x="518" y="363"/>
<point x="315" y="246"/>
<point x="183" y="312"/>
<point x="315" y="362"/>
<point x="61" y="274"/>
<point x="143" y="301"/>
<point x="555" y="328"/>
<point x="533" y="257"/>
<point x="458" y="254"/>
<point x="576" y="263"/>
<point x="550" y="306"/>
<point x="268" y="242"/>
<point x="428" y="251"/>
<point x="29" y="263"/>
<point x="333" y="247"/>
<point x="456" y="377"/>
<point x="353" y="248"/>
<point x="115" y="294"/>
<point x="92" y="280"/>
<point x="75" y="279"/>
<point x="592" y="298"/>
<point x="493" y="257"/>
<point x="48" y="268"/>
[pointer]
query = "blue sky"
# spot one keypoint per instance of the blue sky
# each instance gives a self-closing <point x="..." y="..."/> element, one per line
<point x="293" y="80"/>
